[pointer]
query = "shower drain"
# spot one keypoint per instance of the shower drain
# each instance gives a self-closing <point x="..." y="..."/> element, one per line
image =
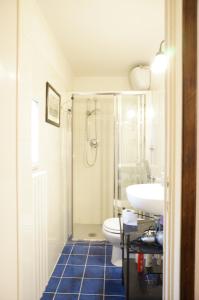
<point x="92" y="234"/>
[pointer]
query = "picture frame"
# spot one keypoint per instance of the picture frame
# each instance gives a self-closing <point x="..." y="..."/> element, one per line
<point x="53" y="105"/>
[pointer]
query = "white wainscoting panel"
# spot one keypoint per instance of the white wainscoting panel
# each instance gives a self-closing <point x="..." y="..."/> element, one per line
<point x="39" y="182"/>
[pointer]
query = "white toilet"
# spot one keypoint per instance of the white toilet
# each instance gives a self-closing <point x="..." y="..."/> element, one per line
<point x="111" y="231"/>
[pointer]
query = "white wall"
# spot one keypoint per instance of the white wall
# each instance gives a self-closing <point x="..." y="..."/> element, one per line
<point x="41" y="60"/>
<point x="104" y="83"/>
<point x="156" y="115"/>
<point x="87" y="84"/>
<point x="8" y="186"/>
<point x="158" y="82"/>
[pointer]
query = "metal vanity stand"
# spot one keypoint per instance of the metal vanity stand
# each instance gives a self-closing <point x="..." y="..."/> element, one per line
<point x="145" y="285"/>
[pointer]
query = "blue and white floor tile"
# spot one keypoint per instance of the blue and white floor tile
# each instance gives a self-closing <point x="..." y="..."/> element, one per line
<point x="84" y="272"/>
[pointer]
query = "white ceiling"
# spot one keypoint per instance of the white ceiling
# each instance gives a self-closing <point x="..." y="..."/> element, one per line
<point x="106" y="37"/>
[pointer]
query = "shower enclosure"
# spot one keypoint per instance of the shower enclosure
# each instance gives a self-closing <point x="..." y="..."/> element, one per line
<point x="111" y="141"/>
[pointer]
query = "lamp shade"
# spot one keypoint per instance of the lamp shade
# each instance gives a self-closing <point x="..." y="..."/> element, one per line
<point x="159" y="63"/>
<point x="140" y="78"/>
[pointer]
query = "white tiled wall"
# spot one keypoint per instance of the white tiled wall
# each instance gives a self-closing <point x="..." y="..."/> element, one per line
<point x="93" y="186"/>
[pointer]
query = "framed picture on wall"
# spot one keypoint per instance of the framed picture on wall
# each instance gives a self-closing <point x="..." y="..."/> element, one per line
<point x="53" y="101"/>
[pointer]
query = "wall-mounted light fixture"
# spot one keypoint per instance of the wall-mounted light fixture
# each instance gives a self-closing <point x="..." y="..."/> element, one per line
<point x="160" y="61"/>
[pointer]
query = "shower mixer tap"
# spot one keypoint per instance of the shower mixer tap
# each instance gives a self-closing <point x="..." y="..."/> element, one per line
<point x="93" y="143"/>
<point x="92" y="112"/>
<point x="91" y="132"/>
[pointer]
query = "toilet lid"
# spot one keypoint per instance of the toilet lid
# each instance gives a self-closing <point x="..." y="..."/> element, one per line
<point x="112" y="225"/>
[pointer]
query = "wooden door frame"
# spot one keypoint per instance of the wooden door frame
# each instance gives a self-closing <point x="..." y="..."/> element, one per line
<point x="189" y="149"/>
<point x="181" y="146"/>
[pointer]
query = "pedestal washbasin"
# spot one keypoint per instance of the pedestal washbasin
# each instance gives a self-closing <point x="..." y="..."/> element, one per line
<point x="147" y="197"/>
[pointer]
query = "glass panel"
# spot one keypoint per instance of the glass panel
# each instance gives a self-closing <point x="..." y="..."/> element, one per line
<point x="131" y="152"/>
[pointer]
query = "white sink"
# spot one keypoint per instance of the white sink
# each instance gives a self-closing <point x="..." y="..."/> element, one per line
<point x="147" y="197"/>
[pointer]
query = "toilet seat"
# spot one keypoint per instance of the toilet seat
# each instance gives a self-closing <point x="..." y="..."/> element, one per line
<point x="112" y="225"/>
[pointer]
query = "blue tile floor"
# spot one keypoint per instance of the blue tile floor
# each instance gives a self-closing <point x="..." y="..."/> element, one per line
<point x="84" y="272"/>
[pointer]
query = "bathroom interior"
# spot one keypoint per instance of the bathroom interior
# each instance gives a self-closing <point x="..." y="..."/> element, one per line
<point x="103" y="162"/>
<point x="118" y="141"/>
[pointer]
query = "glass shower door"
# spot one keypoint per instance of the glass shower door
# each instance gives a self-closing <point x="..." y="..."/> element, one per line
<point x="93" y="160"/>
<point x="130" y="143"/>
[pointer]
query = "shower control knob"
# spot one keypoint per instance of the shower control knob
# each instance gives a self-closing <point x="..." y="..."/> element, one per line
<point x="93" y="143"/>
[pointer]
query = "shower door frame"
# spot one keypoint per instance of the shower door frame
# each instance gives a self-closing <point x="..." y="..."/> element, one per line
<point x="115" y="118"/>
<point x="85" y="94"/>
